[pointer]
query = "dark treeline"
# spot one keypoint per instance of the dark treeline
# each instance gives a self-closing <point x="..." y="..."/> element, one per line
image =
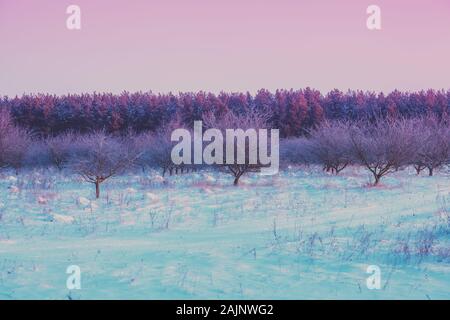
<point x="294" y="112"/>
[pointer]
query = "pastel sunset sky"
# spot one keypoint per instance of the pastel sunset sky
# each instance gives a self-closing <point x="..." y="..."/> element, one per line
<point x="215" y="45"/>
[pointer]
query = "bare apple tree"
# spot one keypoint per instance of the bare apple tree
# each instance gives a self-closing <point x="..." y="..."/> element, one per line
<point x="382" y="147"/>
<point x="330" y="146"/>
<point x="60" y="149"/>
<point x="249" y="122"/>
<point x="432" y="142"/>
<point x="156" y="148"/>
<point x="100" y="157"/>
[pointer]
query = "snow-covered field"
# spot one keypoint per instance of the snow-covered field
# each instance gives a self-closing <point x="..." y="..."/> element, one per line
<point x="300" y="235"/>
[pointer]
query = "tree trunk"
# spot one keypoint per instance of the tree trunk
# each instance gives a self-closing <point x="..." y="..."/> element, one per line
<point x="430" y="171"/>
<point x="97" y="189"/>
<point x="237" y="177"/>
<point x="338" y="170"/>
<point x="418" y="169"/>
<point x="377" y="179"/>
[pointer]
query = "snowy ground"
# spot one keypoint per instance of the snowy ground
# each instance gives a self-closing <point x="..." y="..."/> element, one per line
<point x="300" y="235"/>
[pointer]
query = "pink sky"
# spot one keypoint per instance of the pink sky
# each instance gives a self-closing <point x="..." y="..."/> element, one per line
<point x="230" y="45"/>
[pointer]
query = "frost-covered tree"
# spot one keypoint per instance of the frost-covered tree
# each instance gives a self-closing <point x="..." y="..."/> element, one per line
<point x="330" y="146"/>
<point x="250" y="120"/>
<point x="60" y="149"/>
<point x="383" y="147"/>
<point x="100" y="157"/>
<point x="14" y="143"/>
<point x="432" y="143"/>
<point x="157" y="147"/>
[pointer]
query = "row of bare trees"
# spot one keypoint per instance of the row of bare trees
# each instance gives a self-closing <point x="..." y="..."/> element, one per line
<point x="98" y="156"/>
<point x="382" y="147"/>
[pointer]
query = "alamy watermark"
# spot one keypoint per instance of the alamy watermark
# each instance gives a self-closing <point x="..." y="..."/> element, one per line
<point x="73" y="22"/>
<point x="373" y="282"/>
<point x="74" y="279"/>
<point x="374" y="20"/>
<point x="238" y="147"/>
